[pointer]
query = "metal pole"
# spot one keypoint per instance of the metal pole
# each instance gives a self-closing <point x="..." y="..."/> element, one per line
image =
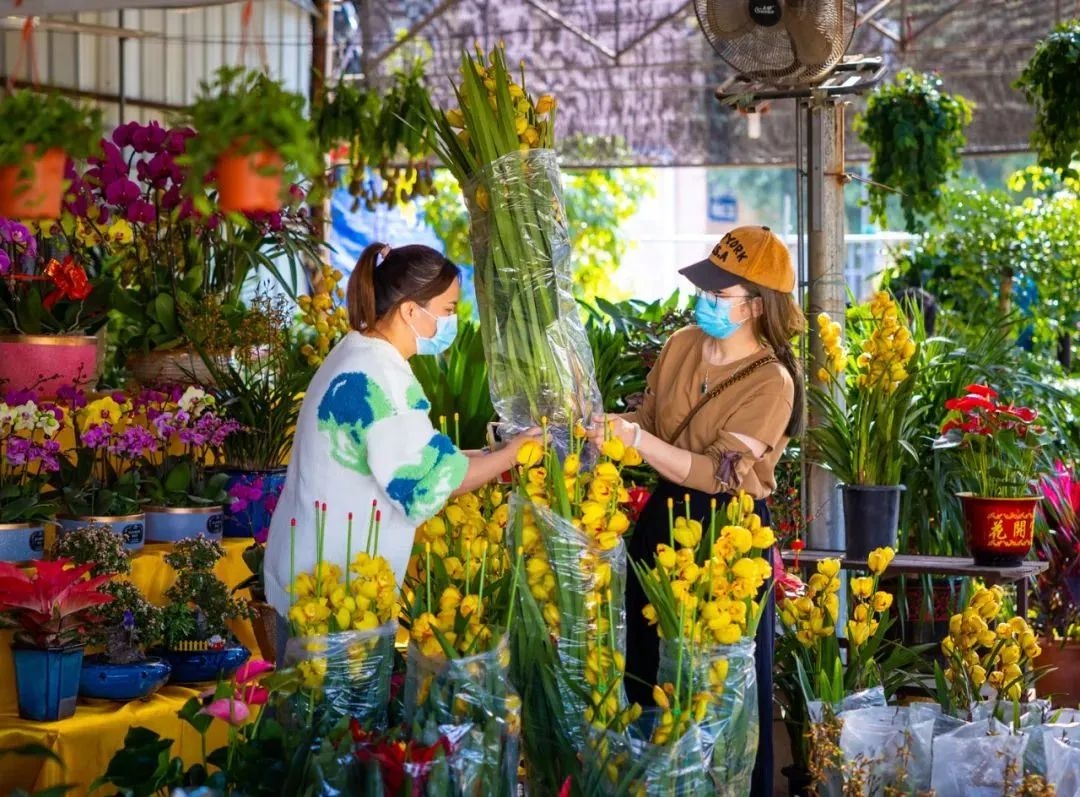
<point x="827" y="289"/>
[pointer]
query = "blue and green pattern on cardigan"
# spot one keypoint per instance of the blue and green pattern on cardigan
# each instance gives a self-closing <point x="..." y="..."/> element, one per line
<point x="423" y="488"/>
<point x="351" y="404"/>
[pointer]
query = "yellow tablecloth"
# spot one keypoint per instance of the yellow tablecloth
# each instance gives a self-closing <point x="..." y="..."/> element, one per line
<point x="86" y="742"/>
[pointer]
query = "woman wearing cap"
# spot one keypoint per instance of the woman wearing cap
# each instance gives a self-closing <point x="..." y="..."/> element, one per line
<point x="722" y="401"/>
<point x="364" y="434"/>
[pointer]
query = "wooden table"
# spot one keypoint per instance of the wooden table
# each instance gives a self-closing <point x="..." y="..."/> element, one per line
<point x="933" y="565"/>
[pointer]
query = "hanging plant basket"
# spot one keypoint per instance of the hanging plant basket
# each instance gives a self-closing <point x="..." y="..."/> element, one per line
<point x="34" y="189"/>
<point x="250" y="181"/>
<point x="1049" y="82"/>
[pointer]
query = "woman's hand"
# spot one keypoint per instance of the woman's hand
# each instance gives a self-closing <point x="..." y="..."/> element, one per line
<point x="514" y="444"/>
<point x="606" y="426"/>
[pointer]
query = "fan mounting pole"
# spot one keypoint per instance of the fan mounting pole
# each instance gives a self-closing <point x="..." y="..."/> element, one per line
<point x="821" y="179"/>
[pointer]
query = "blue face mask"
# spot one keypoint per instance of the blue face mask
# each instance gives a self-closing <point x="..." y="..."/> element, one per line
<point x="713" y="315"/>
<point x="445" y="332"/>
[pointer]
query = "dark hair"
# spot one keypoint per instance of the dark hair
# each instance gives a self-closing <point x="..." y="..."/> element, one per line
<point x="781" y="320"/>
<point x="381" y="282"/>
<point x="912" y="298"/>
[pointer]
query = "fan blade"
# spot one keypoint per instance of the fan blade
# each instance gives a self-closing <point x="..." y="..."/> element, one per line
<point x="809" y="31"/>
<point x="728" y="20"/>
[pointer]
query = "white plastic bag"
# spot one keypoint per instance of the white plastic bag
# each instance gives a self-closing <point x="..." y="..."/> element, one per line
<point x="893" y="744"/>
<point x="979" y="759"/>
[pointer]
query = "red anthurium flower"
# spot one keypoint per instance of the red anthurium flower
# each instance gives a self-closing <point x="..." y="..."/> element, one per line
<point x="565" y="790"/>
<point x="252" y="670"/>
<point x="254" y="695"/>
<point x="1026" y="414"/>
<point x="229" y="710"/>
<point x="969" y="403"/>
<point x="639" y="496"/>
<point x="981" y="390"/>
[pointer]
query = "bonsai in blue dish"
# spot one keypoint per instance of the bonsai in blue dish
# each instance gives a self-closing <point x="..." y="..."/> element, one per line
<point x="105" y="680"/>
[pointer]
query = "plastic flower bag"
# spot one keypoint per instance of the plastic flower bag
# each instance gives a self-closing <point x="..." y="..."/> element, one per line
<point x="1063" y="725"/>
<point x="979" y="759"/>
<point x="726" y="673"/>
<point x="1063" y="766"/>
<point x="469" y="704"/>
<point x="886" y="748"/>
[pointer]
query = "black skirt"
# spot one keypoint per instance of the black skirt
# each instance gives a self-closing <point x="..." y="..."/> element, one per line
<point x="642" y="641"/>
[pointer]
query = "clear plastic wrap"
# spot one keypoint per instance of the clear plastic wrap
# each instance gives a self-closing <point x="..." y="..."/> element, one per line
<point x="726" y="672"/>
<point x="470" y="704"/>
<point x="979" y="759"/>
<point x="628" y="763"/>
<point x="1064" y="725"/>
<point x="539" y="359"/>
<point x="1022" y="715"/>
<point x="1063" y="766"/>
<point x="821" y="713"/>
<point x="887" y="747"/>
<point x="867" y="698"/>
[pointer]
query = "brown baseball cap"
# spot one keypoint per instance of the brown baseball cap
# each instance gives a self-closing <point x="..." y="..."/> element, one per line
<point x="745" y="254"/>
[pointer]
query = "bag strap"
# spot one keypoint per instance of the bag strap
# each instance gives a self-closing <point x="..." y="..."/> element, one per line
<point x="738" y="376"/>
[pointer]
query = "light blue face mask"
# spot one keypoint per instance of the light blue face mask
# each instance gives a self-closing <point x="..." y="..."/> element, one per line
<point x="713" y="315"/>
<point x="445" y="332"/>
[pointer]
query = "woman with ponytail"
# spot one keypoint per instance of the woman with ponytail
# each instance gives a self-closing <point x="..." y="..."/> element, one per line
<point x="723" y="399"/>
<point x="364" y="437"/>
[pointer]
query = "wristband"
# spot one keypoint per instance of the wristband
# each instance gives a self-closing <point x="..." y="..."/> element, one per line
<point x="637" y="436"/>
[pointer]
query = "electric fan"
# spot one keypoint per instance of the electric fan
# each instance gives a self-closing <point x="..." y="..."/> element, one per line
<point x="783" y="42"/>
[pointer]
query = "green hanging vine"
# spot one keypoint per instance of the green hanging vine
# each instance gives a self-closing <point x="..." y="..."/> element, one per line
<point x="915" y="132"/>
<point x="1051" y="84"/>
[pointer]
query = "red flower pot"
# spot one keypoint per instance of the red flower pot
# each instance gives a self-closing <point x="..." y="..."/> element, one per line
<point x="251" y="182"/>
<point x="36" y="193"/>
<point x="999" y="531"/>
<point x="44" y="363"/>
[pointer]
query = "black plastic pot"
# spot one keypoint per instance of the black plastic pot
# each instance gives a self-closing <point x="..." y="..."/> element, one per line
<point x="871" y="517"/>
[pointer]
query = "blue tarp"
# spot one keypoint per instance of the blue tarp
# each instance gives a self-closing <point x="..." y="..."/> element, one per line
<point x="351" y="231"/>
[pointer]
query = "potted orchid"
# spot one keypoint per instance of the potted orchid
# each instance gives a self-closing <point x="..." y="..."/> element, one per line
<point x="184" y="498"/>
<point x="51" y="309"/>
<point x="29" y="454"/>
<point x="99" y="478"/>
<point x="120" y="670"/>
<point x="997" y="449"/>
<point x="51" y="611"/>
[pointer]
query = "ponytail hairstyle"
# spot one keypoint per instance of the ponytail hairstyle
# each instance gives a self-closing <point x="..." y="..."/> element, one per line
<point x="384" y="278"/>
<point x="780" y="320"/>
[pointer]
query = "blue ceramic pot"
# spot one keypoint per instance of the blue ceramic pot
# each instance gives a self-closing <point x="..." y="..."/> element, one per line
<point x="130" y="528"/>
<point x="47" y="682"/>
<point x="172" y="524"/>
<point x="254" y="496"/>
<point x="137" y="680"/>
<point x="21" y="542"/>
<point x="194" y="667"/>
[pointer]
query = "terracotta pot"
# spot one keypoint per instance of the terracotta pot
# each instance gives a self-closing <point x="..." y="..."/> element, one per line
<point x="1062" y="684"/>
<point x="36" y="193"/>
<point x="45" y="363"/>
<point x="179" y="366"/>
<point x="999" y="531"/>
<point x="265" y="625"/>
<point x="251" y="182"/>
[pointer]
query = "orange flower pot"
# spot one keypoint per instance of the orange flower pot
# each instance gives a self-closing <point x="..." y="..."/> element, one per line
<point x="1062" y="683"/>
<point x="36" y="194"/>
<point x="251" y="182"/>
<point x="999" y="531"/>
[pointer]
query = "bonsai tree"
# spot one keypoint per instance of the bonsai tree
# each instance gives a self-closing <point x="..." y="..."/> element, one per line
<point x="45" y="129"/>
<point x="200" y="605"/>
<point x="129" y="623"/>
<point x="244" y="114"/>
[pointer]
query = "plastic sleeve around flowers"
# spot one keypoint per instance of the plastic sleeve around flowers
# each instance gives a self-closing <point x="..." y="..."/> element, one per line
<point x="540" y="363"/>
<point x="894" y="742"/>
<point x="1063" y="725"/>
<point x="728" y="674"/>
<point x="1063" y="766"/>
<point x="470" y="705"/>
<point x="978" y="758"/>
<point x="346" y="674"/>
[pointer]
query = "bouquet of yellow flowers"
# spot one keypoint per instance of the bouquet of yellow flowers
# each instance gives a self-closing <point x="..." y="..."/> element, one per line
<point x="705" y="597"/>
<point x="568" y="645"/>
<point x="864" y="395"/>
<point x="459" y="594"/>
<point x="499" y="144"/>
<point x="342" y="627"/>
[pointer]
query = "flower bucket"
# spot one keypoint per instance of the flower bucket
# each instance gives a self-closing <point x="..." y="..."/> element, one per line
<point x="21" y="542"/>
<point x="871" y="517"/>
<point x="47" y="682"/>
<point x="172" y="524"/>
<point x="202" y="663"/>
<point x="251" y="182"/>
<point x="131" y="528"/>
<point x="102" y="680"/>
<point x="45" y="363"/>
<point x="254" y="495"/>
<point x="999" y="531"/>
<point x="179" y="366"/>
<point x="38" y="193"/>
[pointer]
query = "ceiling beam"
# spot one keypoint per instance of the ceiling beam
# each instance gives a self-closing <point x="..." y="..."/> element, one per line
<point x="581" y="33"/>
